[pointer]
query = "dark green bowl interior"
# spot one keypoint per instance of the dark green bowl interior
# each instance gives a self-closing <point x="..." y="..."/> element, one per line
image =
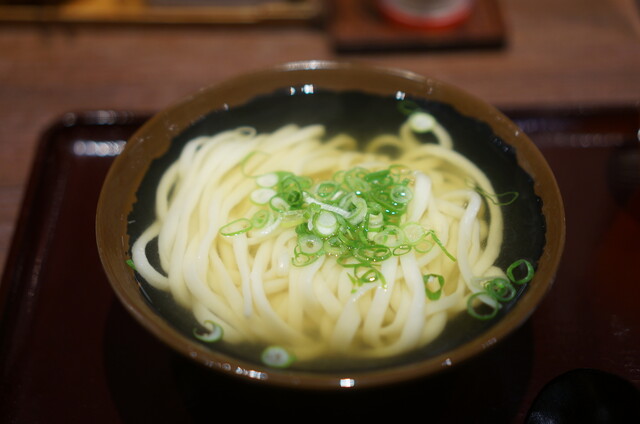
<point x="363" y="116"/>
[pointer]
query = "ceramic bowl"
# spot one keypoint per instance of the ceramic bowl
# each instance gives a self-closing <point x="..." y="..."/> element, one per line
<point x="344" y="96"/>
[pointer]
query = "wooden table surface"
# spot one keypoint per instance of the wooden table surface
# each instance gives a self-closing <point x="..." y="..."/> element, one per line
<point x="558" y="53"/>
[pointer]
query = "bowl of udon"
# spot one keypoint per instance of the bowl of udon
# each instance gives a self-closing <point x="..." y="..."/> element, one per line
<point x="327" y="225"/>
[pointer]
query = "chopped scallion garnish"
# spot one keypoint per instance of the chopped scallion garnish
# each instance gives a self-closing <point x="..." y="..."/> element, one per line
<point x="310" y="244"/>
<point x="499" y="199"/>
<point x="483" y="299"/>
<point x="354" y="216"/>
<point x="213" y="334"/>
<point x="499" y="290"/>
<point x="267" y="180"/>
<point x="278" y="357"/>
<point x="517" y="264"/>
<point x="131" y="264"/>
<point x="239" y="226"/>
<point x="429" y="281"/>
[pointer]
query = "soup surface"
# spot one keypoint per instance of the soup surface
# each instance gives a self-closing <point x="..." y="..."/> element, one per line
<point x="326" y="306"/>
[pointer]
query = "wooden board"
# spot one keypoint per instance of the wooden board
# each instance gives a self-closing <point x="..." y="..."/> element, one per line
<point x="71" y="353"/>
<point x="356" y="26"/>
<point x="161" y="12"/>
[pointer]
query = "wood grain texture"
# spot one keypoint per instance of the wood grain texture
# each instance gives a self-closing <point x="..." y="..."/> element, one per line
<point x="359" y="26"/>
<point x="160" y="11"/>
<point x="574" y="52"/>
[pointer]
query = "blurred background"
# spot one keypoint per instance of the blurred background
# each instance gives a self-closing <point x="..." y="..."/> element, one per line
<point x="568" y="71"/>
<point x="58" y="56"/>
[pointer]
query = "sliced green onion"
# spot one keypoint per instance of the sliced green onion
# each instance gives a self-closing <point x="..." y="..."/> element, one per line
<point x="213" y="334"/>
<point x="305" y="182"/>
<point x="347" y="260"/>
<point x="293" y="198"/>
<point x="359" y="211"/>
<point x="131" y="264"/>
<point x="278" y="357"/>
<point x="327" y="206"/>
<point x="413" y="232"/>
<point x="379" y="178"/>
<point x="375" y="221"/>
<point x="348" y="236"/>
<point x="333" y="246"/>
<point x="357" y="184"/>
<point x="355" y="216"/>
<point x="262" y="196"/>
<point x="302" y="259"/>
<point x="370" y="275"/>
<point x="310" y="244"/>
<point x="500" y="289"/>
<point x="325" y="223"/>
<point x="400" y="194"/>
<point x="511" y="196"/>
<point x="408" y="107"/>
<point x="239" y="226"/>
<point x="357" y="172"/>
<point x="529" y="275"/>
<point x="440" y="245"/>
<point x="376" y="253"/>
<point x="261" y="218"/>
<point x="290" y="189"/>
<point x="399" y="171"/>
<point x="424" y="245"/>
<point x="268" y="180"/>
<point x="278" y="204"/>
<point x="383" y="198"/>
<point x="292" y="218"/>
<point x="326" y="189"/>
<point x="403" y="249"/>
<point x="338" y="176"/>
<point x="428" y="280"/>
<point x="483" y="298"/>
<point x="390" y="236"/>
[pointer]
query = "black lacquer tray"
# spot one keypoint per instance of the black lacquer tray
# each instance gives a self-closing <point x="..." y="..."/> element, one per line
<point x="70" y="352"/>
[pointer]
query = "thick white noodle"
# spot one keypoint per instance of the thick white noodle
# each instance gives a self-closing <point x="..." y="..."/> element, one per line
<point x="247" y="283"/>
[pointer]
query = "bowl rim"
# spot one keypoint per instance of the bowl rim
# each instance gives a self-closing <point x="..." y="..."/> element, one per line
<point x="114" y="205"/>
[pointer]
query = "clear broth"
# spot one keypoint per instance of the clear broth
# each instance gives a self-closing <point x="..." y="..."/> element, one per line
<point x="362" y="116"/>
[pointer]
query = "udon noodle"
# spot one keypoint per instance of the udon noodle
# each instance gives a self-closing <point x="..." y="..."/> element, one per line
<point x="248" y="284"/>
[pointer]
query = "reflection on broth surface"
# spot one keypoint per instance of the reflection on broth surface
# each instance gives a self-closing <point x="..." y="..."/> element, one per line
<point x="342" y="229"/>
